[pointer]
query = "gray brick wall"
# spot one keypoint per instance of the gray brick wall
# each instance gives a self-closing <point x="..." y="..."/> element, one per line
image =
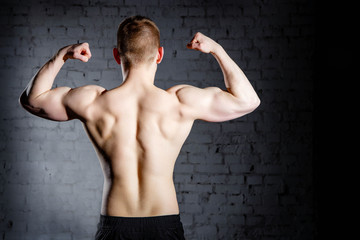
<point x="250" y="178"/>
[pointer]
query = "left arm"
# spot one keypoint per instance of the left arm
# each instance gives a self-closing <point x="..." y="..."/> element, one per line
<point x="58" y="104"/>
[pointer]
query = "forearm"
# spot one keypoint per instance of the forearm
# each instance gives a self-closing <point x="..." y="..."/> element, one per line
<point x="235" y="80"/>
<point x="44" y="78"/>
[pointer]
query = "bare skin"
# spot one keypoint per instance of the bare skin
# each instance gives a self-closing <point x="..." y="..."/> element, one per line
<point x="137" y="128"/>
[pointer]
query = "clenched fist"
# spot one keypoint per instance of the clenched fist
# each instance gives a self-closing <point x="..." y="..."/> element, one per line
<point x="202" y="43"/>
<point x="80" y="51"/>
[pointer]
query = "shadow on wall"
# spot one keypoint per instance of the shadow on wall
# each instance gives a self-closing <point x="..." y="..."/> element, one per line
<point x="39" y="169"/>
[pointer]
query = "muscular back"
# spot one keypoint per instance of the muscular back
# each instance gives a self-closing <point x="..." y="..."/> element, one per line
<point x="138" y="134"/>
<point x="138" y="129"/>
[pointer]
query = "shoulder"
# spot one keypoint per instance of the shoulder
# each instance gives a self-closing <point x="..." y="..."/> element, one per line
<point x="85" y="94"/>
<point x="78" y="100"/>
<point x="187" y="93"/>
<point x="180" y="90"/>
<point x="176" y="88"/>
<point x="95" y="89"/>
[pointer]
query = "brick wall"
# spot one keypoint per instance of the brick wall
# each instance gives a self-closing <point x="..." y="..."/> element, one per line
<point x="250" y="178"/>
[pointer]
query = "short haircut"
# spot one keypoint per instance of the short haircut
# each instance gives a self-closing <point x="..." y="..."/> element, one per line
<point x="138" y="39"/>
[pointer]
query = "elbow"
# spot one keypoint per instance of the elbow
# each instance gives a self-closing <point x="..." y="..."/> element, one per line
<point x="256" y="103"/>
<point x="24" y="100"/>
<point x="252" y="104"/>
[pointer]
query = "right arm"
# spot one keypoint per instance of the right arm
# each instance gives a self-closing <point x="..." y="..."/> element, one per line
<point x="213" y="104"/>
<point x="60" y="103"/>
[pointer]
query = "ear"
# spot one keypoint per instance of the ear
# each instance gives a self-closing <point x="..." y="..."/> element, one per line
<point x="116" y="56"/>
<point x="160" y="55"/>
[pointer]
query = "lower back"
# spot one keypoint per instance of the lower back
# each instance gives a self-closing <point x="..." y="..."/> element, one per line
<point x="139" y="196"/>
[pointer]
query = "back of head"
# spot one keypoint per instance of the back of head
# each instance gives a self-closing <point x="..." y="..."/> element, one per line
<point x="138" y="39"/>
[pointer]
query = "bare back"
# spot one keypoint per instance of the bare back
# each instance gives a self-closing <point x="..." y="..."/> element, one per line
<point x="138" y="135"/>
<point x="137" y="128"/>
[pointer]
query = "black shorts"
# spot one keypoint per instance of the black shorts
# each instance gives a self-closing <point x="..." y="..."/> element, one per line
<point x="135" y="228"/>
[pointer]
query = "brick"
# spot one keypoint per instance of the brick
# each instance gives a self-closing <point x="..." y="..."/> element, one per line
<point x="218" y="169"/>
<point x="57" y="31"/>
<point x="192" y="208"/>
<point x="249" y="178"/>
<point x="254" y="180"/>
<point x="196" y="188"/>
<point x="184" y="168"/>
<point x="206" y="232"/>
<point x="191" y="198"/>
<point x="92" y="11"/>
<point x="75" y="32"/>
<point x="196" y="12"/>
<point x="254" y="220"/>
<point x="75" y="75"/>
<point x="109" y="11"/>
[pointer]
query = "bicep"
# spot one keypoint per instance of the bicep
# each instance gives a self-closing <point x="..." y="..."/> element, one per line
<point x="210" y="104"/>
<point x="49" y="105"/>
<point x="63" y="103"/>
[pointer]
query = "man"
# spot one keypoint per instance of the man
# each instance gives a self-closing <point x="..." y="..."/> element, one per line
<point x="137" y="128"/>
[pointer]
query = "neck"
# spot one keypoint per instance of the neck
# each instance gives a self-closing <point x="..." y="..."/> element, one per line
<point x="140" y="75"/>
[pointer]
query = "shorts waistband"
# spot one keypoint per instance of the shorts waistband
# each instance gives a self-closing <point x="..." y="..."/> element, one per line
<point x="164" y="220"/>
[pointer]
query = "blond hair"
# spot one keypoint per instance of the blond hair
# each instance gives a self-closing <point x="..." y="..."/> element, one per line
<point x="138" y="39"/>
